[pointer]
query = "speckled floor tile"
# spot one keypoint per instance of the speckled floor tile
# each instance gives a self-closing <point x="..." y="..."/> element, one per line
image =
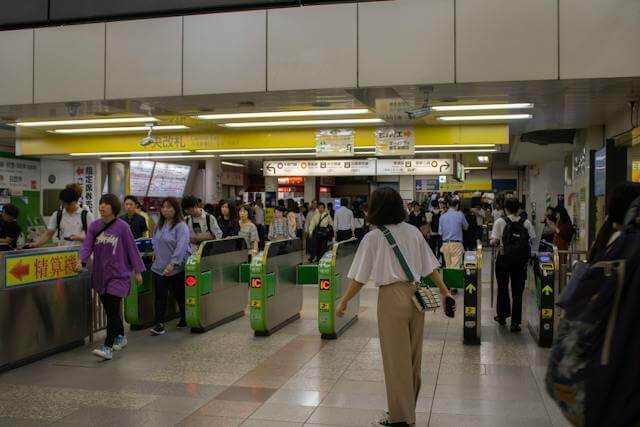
<point x="311" y="384"/>
<point x="204" y="421"/>
<point x="268" y="423"/>
<point x="179" y="405"/>
<point x="246" y="394"/>
<point x="450" y="420"/>
<point x="297" y="397"/>
<point x="283" y="412"/>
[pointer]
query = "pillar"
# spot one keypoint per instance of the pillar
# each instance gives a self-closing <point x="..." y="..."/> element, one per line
<point x="212" y="180"/>
<point x="117" y="175"/>
<point x="310" y="188"/>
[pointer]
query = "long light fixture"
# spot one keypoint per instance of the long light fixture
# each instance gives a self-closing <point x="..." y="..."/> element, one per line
<point x="429" y="146"/>
<point x="485" y="117"/>
<point x="235" y="165"/>
<point x="273" y="114"/>
<point x="483" y="159"/>
<point x="331" y="122"/>
<point x="120" y="153"/>
<point x="118" y="129"/>
<point x="479" y="107"/>
<point x="265" y="155"/>
<point x="81" y="122"/>
<point x="257" y="150"/>
<point x="483" y="150"/>
<point x="476" y="168"/>
<point x="160" y="157"/>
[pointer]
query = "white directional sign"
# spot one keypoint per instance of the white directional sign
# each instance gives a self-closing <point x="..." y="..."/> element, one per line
<point x="354" y="167"/>
<point x="414" y="167"/>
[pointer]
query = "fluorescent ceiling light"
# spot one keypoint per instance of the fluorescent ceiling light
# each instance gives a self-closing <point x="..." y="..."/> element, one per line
<point x="426" y="147"/>
<point x="266" y="155"/>
<point x="133" y="153"/>
<point x="478" y="107"/>
<point x="157" y="157"/>
<point x="82" y="122"/>
<point x="272" y="114"/>
<point x="475" y="168"/>
<point x="118" y="129"/>
<point x="237" y="165"/>
<point x="483" y="159"/>
<point x="485" y="117"/>
<point x="485" y="150"/>
<point x="257" y="150"/>
<point x="304" y="123"/>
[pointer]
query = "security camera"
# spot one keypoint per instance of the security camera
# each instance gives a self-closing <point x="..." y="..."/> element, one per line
<point x="419" y="112"/>
<point x="149" y="139"/>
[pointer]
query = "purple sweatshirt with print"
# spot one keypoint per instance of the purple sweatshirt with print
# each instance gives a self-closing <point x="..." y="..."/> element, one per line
<point x="115" y="256"/>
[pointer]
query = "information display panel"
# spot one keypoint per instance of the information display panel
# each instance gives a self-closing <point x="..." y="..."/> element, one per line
<point x="168" y="180"/>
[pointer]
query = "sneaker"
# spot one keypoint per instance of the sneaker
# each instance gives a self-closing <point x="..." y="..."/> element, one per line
<point x="454" y="291"/>
<point x="120" y="342"/>
<point x="182" y="323"/>
<point x="516" y="328"/>
<point x="103" y="351"/>
<point x="158" y="329"/>
<point x="500" y="320"/>
<point x="384" y="421"/>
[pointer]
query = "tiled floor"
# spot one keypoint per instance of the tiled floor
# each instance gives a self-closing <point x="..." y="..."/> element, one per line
<point x="226" y="377"/>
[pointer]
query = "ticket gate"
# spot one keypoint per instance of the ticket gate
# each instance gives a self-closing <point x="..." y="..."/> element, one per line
<point x="275" y="297"/>
<point x="139" y="305"/>
<point x="541" y="320"/>
<point x="214" y="290"/>
<point x="332" y="283"/>
<point x="45" y="306"/>
<point x="472" y="296"/>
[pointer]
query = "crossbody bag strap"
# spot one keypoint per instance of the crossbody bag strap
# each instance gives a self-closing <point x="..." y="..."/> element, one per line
<point x="396" y="249"/>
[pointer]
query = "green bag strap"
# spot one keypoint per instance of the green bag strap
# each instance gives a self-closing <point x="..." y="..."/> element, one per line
<point x="398" y="252"/>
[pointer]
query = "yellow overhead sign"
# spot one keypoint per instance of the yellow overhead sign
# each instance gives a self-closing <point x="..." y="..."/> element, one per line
<point x="51" y="144"/>
<point x="33" y="268"/>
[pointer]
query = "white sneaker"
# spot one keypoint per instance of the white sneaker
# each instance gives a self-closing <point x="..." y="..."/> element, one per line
<point x="103" y="351"/>
<point x="120" y="342"/>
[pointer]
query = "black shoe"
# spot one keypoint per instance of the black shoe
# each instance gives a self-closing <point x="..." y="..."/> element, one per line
<point x="516" y="328"/>
<point x="500" y="320"/>
<point x="454" y="291"/>
<point x="182" y="324"/>
<point x="158" y="329"/>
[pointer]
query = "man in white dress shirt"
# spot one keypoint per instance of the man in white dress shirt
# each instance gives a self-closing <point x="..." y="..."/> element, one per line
<point x="343" y="222"/>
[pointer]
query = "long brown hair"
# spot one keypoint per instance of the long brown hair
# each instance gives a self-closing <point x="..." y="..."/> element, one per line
<point x="177" y="218"/>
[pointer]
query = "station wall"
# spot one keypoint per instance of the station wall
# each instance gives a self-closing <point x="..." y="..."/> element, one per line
<point x="329" y="46"/>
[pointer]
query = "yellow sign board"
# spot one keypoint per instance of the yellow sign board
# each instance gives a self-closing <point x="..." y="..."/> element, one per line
<point x="256" y="303"/>
<point x="190" y="301"/>
<point x="547" y="313"/>
<point x="27" y="269"/>
<point x="635" y="171"/>
<point x="324" y="306"/>
<point x="452" y="186"/>
<point x="469" y="311"/>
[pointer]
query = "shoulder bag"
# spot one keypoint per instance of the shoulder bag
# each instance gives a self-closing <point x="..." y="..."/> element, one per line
<point x="424" y="298"/>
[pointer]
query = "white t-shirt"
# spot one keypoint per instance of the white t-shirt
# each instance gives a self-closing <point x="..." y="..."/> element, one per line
<point x="376" y="261"/>
<point x="198" y="227"/>
<point x="70" y="224"/>
<point x="497" y="214"/>
<point x="501" y="224"/>
<point x="259" y="215"/>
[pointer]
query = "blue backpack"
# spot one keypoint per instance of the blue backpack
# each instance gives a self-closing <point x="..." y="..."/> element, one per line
<point x="594" y="367"/>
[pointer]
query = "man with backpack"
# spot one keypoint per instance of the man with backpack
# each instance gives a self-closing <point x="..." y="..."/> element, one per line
<point x="69" y="223"/>
<point x="513" y="234"/>
<point x="202" y="226"/>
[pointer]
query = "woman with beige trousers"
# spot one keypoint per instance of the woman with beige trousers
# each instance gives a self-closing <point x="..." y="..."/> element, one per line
<point x="400" y="323"/>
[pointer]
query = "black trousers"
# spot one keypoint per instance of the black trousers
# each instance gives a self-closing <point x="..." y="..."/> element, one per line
<point x="164" y="285"/>
<point x="516" y="273"/>
<point x="342" y="235"/>
<point x="320" y="246"/>
<point x="435" y="243"/>
<point x="115" y="327"/>
<point x="261" y="235"/>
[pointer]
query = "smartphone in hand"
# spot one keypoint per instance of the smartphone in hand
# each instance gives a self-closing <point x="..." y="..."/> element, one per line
<point x="450" y="307"/>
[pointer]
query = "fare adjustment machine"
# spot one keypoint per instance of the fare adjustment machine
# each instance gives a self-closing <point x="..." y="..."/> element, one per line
<point x="542" y="320"/>
<point x="139" y="304"/>
<point x="332" y="283"/>
<point x="275" y="297"/>
<point x="472" y="297"/>
<point x="215" y="292"/>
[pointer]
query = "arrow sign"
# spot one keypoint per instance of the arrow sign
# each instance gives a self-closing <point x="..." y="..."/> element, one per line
<point x="445" y="165"/>
<point x="470" y="288"/>
<point x="270" y="168"/>
<point x="20" y="270"/>
<point x="547" y="290"/>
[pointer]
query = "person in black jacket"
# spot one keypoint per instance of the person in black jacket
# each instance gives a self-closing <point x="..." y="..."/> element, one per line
<point x="9" y="228"/>
<point x="416" y="216"/>
<point x="228" y="219"/>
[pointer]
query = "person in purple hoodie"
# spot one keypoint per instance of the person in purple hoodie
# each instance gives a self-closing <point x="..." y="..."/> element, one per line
<point x="115" y="256"/>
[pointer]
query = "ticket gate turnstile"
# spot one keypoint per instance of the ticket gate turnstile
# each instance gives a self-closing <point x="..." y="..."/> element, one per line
<point x="332" y="283"/>
<point x="214" y="291"/>
<point x="541" y="321"/>
<point x="472" y="324"/>
<point x="139" y="305"/>
<point x="275" y="297"/>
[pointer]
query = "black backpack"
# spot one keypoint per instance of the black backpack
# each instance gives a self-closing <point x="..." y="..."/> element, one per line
<point x="83" y="218"/>
<point x="515" y="241"/>
<point x="435" y="221"/>
<point x="207" y="218"/>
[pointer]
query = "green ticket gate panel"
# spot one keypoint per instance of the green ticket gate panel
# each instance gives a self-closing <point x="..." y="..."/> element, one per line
<point x="332" y="283"/>
<point x="472" y="297"/>
<point x="541" y="322"/>
<point x="139" y="304"/>
<point x="275" y="297"/>
<point x="308" y="274"/>
<point x="214" y="291"/>
<point x="452" y="277"/>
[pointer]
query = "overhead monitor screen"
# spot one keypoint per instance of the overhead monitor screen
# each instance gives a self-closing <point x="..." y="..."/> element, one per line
<point x="168" y="180"/>
<point x="139" y="176"/>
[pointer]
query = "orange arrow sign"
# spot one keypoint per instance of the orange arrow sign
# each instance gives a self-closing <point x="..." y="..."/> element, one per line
<point x="20" y="270"/>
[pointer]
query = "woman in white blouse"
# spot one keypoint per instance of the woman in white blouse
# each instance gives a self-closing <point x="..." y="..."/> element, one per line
<point x="400" y="324"/>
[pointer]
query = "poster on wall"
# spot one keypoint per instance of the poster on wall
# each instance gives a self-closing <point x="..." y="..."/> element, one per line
<point x="168" y="180"/>
<point x="395" y="141"/>
<point x="600" y="172"/>
<point x="19" y="175"/>
<point x="635" y="171"/>
<point x="140" y="172"/>
<point x="335" y="142"/>
<point x="85" y="176"/>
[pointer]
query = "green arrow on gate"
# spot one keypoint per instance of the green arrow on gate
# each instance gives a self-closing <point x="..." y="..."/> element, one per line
<point x="547" y="290"/>
<point x="470" y="288"/>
